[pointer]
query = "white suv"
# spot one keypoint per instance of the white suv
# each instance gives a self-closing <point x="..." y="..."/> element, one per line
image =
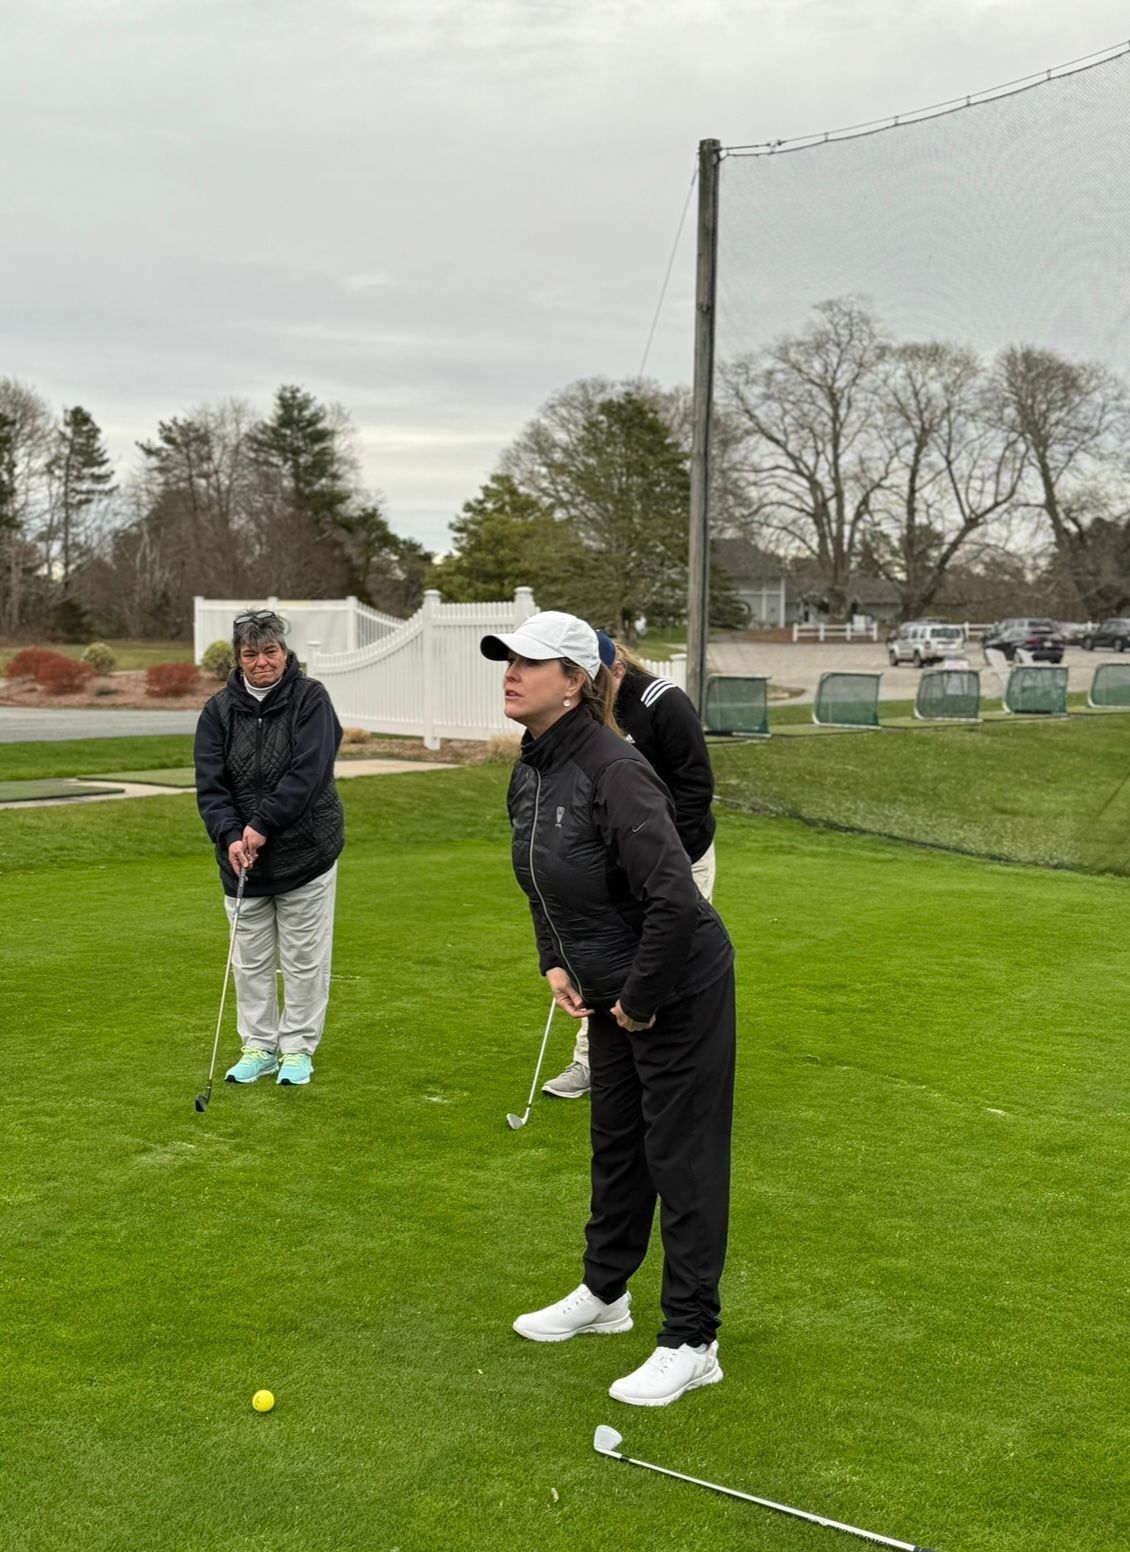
<point x="925" y="641"/>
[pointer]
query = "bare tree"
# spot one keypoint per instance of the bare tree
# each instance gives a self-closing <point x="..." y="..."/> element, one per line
<point x="952" y="468"/>
<point x="809" y="405"/>
<point x="25" y="446"/>
<point x="1073" y="418"/>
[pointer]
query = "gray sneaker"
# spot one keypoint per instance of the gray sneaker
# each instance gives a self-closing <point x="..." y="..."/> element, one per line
<point x="573" y="1083"/>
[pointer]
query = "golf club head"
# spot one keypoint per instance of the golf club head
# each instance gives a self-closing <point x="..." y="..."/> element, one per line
<point x="515" y="1123"/>
<point x="201" y="1103"/>
<point x="606" y="1441"/>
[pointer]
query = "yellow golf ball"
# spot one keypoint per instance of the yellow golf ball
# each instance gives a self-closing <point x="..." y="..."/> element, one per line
<point x="262" y="1401"/>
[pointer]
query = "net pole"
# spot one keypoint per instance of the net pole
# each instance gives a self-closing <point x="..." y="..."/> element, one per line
<point x="698" y="568"/>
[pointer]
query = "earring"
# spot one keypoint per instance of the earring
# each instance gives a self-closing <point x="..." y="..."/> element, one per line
<point x="566" y="702"/>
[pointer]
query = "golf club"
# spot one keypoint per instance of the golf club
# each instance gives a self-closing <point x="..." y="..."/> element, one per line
<point x="515" y="1123"/>
<point x="203" y="1099"/>
<point x="606" y="1441"/>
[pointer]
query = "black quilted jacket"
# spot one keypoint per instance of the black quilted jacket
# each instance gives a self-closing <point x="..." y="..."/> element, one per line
<point x="269" y="764"/>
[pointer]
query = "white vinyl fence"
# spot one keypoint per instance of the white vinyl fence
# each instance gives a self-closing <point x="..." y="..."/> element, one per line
<point x="335" y="624"/>
<point x="427" y="679"/>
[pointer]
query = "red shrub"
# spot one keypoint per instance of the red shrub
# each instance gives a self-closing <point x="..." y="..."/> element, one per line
<point x="170" y="679"/>
<point x="25" y="664"/>
<point x="60" y="675"/>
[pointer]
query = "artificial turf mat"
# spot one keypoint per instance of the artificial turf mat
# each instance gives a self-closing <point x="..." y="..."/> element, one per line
<point x="33" y="791"/>
<point x="922" y="1302"/>
<point x="172" y="776"/>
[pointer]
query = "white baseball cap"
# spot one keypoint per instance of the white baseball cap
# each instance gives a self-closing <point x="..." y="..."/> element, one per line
<point x="548" y="635"/>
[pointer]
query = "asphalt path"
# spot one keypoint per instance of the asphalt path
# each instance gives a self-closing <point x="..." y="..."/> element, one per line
<point x="798" y="665"/>
<point x="33" y="725"/>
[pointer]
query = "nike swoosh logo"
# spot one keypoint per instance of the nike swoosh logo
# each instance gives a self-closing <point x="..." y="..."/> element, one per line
<point x="638" y="827"/>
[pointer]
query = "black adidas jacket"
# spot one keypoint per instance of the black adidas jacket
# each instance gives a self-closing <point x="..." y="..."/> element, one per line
<point x="269" y="764"/>
<point x="661" y="721"/>
<point x="609" y="883"/>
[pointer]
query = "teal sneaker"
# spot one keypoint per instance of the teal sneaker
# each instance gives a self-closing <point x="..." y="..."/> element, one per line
<point x="253" y="1063"/>
<point x="296" y="1069"/>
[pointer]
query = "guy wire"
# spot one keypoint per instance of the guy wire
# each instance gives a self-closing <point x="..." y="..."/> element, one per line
<point x="667" y="276"/>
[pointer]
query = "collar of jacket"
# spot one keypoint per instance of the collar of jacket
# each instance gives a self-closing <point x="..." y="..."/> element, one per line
<point x="276" y="695"/>
<point x="558" y="742"/>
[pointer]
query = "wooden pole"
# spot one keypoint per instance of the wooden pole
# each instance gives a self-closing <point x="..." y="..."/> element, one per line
<point x="698" y="570"/>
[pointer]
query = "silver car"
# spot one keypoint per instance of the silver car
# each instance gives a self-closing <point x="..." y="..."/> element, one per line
<point x="922" y="642"/>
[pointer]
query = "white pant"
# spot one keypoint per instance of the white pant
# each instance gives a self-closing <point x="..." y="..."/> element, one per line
<point x="702" y="872"/>
<point x="292" y="932"/>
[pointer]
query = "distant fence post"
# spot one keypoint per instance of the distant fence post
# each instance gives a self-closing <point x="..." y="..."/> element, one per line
<point x="524" y="604"/>
<point x="428" y="612"/>
<point x="351" y="623"/>
<point x="197" y="628"/>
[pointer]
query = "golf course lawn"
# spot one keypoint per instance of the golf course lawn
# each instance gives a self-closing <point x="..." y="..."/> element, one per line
<point x="925" y="1297"/>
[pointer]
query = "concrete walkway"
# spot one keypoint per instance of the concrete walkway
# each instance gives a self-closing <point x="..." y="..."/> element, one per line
<point x="139" y="789"/>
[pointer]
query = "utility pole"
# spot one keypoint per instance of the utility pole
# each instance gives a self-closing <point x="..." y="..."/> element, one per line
<point x="698" y="578"/>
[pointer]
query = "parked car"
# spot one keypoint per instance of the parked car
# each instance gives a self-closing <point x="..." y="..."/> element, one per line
<point x="1040" y="639"/>
<point x="925" y="641"/>
<point x="1111" y="633"/>
<point x="1074" y="632"/>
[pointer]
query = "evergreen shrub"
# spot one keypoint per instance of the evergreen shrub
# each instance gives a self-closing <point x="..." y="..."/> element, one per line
<point x="217" y="660"/>
<point x="100" y="657"/>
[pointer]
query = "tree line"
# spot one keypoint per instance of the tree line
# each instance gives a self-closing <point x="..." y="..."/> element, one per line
<point x="220" y="502"/>
<point x="856" y="452"/>
<point x="838" y="449"/>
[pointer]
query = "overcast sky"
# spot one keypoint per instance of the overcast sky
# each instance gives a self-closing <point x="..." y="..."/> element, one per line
<point x="435" y="212"/>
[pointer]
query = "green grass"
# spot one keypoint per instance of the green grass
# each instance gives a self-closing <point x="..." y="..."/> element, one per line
<point x="1045" y="792"/>
<point x="929" y="1222"/>
<point x="35" y="761"/>
<point x="130" y="654"/>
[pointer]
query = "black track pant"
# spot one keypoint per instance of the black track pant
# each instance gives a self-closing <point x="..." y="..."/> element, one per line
<point x="662" y="1102"/>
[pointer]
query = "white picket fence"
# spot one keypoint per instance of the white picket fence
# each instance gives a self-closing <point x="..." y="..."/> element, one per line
<point x="336" y="624"/>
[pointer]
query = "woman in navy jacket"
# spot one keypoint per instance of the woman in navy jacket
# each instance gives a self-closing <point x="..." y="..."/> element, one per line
<point x="625" y="938"/>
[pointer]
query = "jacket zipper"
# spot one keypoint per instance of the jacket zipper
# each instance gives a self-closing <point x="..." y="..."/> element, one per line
<point x="541" y="898"/>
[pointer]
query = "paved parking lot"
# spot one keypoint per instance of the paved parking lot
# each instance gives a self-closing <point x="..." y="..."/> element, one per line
<point x="799" y="665"/>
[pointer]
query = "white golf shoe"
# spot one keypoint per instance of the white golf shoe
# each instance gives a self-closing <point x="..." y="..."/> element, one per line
<point x="668" y="1374"/>
<point x="580" y="1314"/>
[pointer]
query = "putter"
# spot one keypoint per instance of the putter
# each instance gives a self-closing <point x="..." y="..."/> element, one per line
<point x="203" y="1099"/>
<point x="606" y="1441"/>
<point x="515" y="1123"/>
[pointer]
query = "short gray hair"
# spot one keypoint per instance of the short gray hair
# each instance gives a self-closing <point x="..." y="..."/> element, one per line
<point x="257" y="628"/>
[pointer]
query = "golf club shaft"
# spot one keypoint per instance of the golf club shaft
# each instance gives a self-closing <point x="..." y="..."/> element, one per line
<point x="541" y="1056"/>
<point x="768" y="1503"/>
<point x="227" y="973"/>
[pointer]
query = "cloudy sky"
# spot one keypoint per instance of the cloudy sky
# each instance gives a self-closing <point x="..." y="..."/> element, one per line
<point x="435" y="212"/>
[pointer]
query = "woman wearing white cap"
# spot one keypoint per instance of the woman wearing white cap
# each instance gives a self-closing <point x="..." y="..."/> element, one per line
<point x="625" y="938"/>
